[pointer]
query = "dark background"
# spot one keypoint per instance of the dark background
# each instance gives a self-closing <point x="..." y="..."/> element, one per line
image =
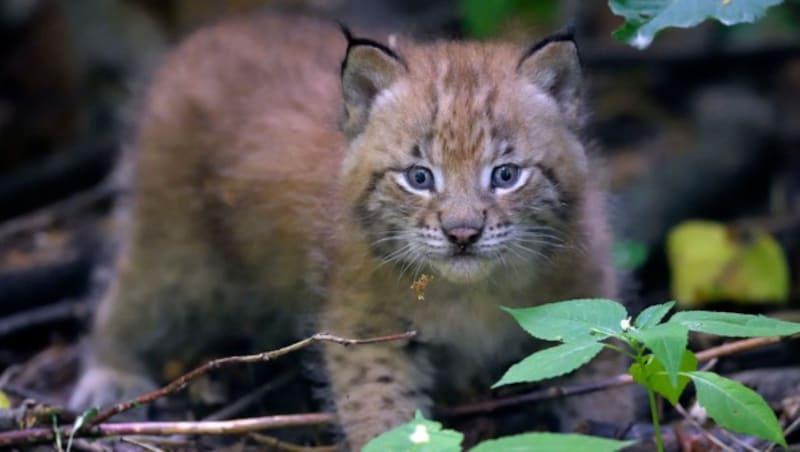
<point x="704" y="124"/>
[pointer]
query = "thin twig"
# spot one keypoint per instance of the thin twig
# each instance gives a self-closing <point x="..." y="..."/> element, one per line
<point x="47" y="215"/>
<point x="277" y="444"/>
<point x="146" y="446"/>
<point x="62" y="310"/>
<point x="741" y="443"/>
<point x="709" y="365"/>
<point x="181" y="382"/>
<point x="555" y="392"/>
<point x="236" y="426"/>
<point x="80" y="444"/>
<point x="786" y="432"/>
<point x="716" y="441"/>
<point x="741" y="346"/>
<point x="245" y="401"/>
<point x="792" y="427"/>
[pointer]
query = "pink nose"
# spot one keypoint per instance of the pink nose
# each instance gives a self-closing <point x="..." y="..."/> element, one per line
<point x="463" y="235"/>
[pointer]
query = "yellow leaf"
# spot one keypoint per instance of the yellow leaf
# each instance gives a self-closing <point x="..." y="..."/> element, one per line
<point x="711" y="262"/>
<point x="4" y="402"/>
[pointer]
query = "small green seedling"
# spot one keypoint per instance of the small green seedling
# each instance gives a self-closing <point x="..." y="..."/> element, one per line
<point x="661" y="361"/>
<point x="423" y="435"/>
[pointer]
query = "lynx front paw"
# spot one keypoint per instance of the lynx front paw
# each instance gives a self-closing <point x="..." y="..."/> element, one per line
<point x="101" y="387"/>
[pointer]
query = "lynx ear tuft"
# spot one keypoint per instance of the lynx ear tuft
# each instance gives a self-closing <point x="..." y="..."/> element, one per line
<point x="554" y="66"/>
<point x="368" y="68"/>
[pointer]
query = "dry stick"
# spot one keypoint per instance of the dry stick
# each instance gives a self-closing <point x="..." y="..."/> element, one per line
<point x="41" y="435"/>
<point x="786" y="432"/>
<point x="619" y="380"/>
<point x="276" y="444"/>
<point x="739" y="442"/>
<point x="143" y="445"/>
<point x="63" y="310"/>
<point x="714" y="440"/>
<point x="181" y="382"/>
<point x="245" y="401"/>
<point x="236" y="426"/>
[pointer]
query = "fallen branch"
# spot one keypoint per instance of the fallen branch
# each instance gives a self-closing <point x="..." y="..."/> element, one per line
<point x="181" y="382"/>
<point x="45" y="434"/>
<point x="250" y="425"/>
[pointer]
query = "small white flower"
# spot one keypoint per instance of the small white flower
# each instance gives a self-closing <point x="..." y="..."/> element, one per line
<point x="625" y="324"/>
<point x="420" y="435"/>
<point x="698" y="413"/>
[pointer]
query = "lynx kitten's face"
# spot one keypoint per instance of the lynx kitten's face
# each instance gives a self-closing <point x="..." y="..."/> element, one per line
<point x="466" y="158"/>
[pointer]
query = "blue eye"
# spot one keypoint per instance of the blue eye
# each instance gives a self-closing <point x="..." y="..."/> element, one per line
<point x="420" y="178"/>
<point x="505" y="176"/>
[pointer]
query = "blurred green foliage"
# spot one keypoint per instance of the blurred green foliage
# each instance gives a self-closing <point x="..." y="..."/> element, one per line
<point x="482" y="18"/>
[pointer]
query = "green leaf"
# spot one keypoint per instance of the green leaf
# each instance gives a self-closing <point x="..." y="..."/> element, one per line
<point x="736" y="407"/>
<point x="550" y="442"/>
<point x="551" y="362"/>
<point x="653" y="375"/>
<point x="419" y="435"/>
<point x="667" y="342"/>
<point x="645" y="18"/>
<point x="85" y="417"/>
<point x="651" y="316"/>
<point x="734" y="324"/>
<point x="572" y="321"/>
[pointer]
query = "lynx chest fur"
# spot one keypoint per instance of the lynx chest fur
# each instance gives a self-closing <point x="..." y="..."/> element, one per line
<point x="291" y="175"/>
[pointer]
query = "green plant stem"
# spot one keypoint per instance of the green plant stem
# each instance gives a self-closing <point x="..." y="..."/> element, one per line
<point x="619" y="349"/>
<point x="651" y="395"/>
<point x="654" y="414"/>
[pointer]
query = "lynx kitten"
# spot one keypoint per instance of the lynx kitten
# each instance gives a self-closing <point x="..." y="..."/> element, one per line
<point x="257" y="215"/>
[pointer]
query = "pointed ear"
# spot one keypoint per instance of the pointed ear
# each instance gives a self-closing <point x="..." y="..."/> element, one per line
<point x="368" y="68"/>
<point x="554" y="66"/>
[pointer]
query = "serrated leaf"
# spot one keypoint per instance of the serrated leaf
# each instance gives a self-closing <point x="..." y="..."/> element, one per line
<point x="551" y="362"/>
<point x="736" y="407"/>
<point x="651" y="316"/>
<point x="653" y="375"/>
<point x="734" y="325"/>
<point x="419" y="435"/>
<point x="572" y="321"/>
<point x="646" y="18"/>
<point x="551" y="442"/>
<point x="667" y="342"/>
